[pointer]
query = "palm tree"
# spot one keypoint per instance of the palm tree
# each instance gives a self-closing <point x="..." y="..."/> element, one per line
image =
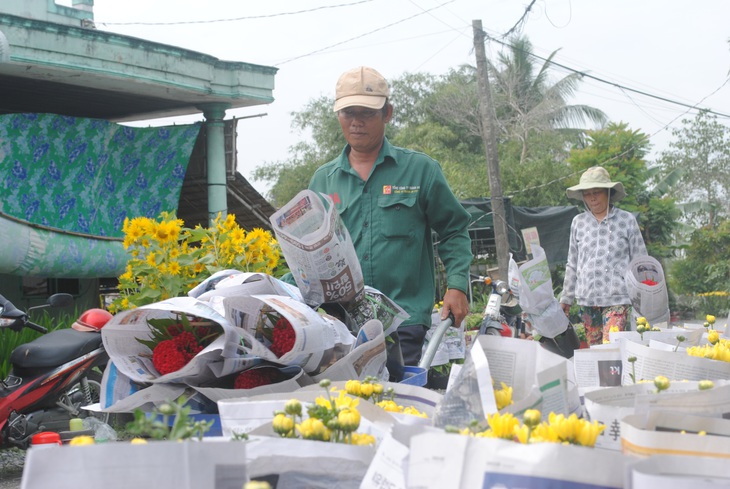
<point x="526" y="103"/>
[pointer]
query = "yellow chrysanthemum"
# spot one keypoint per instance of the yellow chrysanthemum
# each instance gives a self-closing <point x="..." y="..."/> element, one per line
<point x="362" y="439"/>
<point x="414" y="412"/>
<point x="503" y="396"/>
<point x="503" y="425"/>
<point x="352" y="387"/>
<point x="313" y="429"/>
<point x="390" y="406"/>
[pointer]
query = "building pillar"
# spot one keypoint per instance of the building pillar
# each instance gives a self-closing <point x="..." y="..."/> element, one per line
<point x="216" y="159"/>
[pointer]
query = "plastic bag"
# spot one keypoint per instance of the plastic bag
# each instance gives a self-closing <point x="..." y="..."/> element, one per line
<point x="102" y="431"/>
<point x="535" y="283"/>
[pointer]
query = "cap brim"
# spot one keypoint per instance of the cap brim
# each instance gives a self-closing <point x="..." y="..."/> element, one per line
<point x="367" y="101"/>
<point x="80" y="327"/>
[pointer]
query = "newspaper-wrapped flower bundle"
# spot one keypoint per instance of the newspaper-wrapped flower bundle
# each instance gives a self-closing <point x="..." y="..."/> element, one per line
<point x="329" y="419"/>
<point x="718" y="348"/>
<point x="372" y="390"/>
<point x="256" y="377"/>
<point x="276" y="333"/>
<point x="176" y="341"/>
<point x="557" y="429"/>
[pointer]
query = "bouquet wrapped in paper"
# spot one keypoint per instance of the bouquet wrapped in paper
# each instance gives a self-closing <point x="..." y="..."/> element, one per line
<point x="176" y="340"/>
<point x="647" y="289"/>
<point x="537" y="378"/>
<point x="286" y="331"/>
<point x="318" y="249"/>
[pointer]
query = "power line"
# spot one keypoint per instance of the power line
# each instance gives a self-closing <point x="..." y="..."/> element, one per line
<point x="608" y="82"/>
<point x="251" y="17"/>
<point x="629" y="149"/>
<point x="520" y="21"/>
<point x="364" y="34"/>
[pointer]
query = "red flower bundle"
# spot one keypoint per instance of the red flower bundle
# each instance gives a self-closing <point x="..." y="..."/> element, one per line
<point x="174" y="342"/>
<point x="282" y="337"/>
<point x="172" y="355"/>
<point x="256" y="377"/>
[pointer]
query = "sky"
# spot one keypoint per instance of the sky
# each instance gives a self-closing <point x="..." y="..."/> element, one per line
<point x="674" y="49"/>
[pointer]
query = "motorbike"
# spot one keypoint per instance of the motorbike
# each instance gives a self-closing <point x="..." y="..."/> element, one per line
<point x="51" y="377"/>
<point x="502" y="315"/>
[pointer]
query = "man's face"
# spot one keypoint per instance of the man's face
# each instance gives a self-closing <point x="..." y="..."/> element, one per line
<point x="364" y="128"/>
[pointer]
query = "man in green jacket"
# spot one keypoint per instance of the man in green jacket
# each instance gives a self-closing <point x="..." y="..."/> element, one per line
<point x="390" y="199"/>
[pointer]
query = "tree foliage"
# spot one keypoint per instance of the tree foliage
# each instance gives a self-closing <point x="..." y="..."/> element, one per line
<point x="439" y="115"/>
<point x="706" y="265"/>
<point x="325" y="142"/>
<point x="527" y="102"/>
<point x="701" y="151"/>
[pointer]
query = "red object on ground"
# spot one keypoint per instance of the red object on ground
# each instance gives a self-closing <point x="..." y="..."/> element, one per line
<point x="46" y="437"/>
<point x="649" y="282"/>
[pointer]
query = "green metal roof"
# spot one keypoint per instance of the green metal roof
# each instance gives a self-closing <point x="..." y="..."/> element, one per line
<point x="85" y="72"/>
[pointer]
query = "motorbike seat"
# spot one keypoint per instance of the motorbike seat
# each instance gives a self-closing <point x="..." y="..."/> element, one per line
<point x="55" y="348"/>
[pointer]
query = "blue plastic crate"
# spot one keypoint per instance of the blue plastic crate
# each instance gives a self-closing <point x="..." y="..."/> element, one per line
<point x="414" y="376"/>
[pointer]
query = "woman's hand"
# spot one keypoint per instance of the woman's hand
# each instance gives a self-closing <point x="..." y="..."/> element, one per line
<point x="566" y="308"/>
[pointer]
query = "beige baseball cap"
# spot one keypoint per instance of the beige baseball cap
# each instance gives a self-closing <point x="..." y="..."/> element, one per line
<point x="363" y="87"/>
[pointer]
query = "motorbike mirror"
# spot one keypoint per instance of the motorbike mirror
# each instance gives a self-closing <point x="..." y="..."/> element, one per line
<point x="60" y="300"/>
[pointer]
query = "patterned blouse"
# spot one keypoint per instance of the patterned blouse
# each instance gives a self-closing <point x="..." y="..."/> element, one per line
<point x="599" y="257"/>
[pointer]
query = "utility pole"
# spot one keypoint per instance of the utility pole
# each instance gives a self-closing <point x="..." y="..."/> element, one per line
<point x="489" y="136"/>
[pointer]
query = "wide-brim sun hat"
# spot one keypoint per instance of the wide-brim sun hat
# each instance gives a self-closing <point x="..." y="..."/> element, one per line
<point x="361" y="87"/>
<point x="596" y="177"/>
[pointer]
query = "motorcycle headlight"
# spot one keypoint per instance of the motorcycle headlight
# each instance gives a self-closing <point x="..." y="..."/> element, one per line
<point x="501" y="287"/>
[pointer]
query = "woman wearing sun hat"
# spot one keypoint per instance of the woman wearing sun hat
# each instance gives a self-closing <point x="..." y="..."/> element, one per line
<point x="603" y="241"/>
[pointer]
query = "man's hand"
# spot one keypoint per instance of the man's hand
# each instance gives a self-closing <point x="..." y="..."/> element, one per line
<point x="455" y="302"/>
<point x="566" y="308"/>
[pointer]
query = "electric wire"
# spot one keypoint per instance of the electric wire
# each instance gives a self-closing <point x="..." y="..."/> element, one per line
<point x="608" y="82"/>
<point x="628" y="150"/>
<point x="235" y="19"/>
<point x="364" y="34"/>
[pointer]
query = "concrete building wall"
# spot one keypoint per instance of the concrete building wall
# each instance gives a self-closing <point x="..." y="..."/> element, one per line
<point x="70" y="12"/>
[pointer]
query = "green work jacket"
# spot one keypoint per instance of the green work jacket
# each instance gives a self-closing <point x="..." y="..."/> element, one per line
<point x="390" y="217"/>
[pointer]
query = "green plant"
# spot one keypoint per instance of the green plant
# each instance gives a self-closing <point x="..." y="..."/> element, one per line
<point x="168" y="260"/>
<point x="716" y="302"/>
<point x="473" y="321"/>
<point x="169" y="421"/>
<point x="10" y="340"/>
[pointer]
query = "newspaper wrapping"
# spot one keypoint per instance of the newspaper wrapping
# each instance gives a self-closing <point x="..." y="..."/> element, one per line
<point x="133" y="359"/>
<point x="535" y="292"/>
<point x="539" y="379"/>
<point x="318" y="340"/>
<point x="675" y="365"/>
<point x="318" y="249"/>
<point x="610" y="405"/>
<point x="647" y="290"/>
<point x="438" y="460"/>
